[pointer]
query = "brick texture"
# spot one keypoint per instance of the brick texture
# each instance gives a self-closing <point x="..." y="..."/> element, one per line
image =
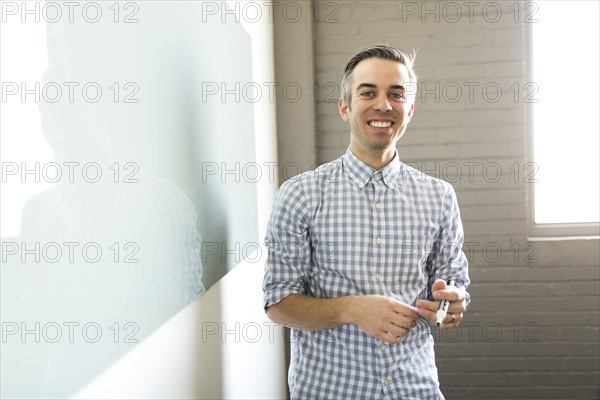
<point x="532" y="330"/>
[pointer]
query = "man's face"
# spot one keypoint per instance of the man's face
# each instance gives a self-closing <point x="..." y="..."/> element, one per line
<point x="380" y="108"/>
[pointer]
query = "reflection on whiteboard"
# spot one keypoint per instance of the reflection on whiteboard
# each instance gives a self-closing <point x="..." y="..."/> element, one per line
<point x="117" y="240"/>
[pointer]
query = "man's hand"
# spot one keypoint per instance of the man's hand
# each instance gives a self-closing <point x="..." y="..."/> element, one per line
<point x="382" y="317"/>
<point x="441" y="291"/>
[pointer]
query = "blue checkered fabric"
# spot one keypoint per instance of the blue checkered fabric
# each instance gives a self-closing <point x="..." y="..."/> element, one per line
<point x="345" y="229"/>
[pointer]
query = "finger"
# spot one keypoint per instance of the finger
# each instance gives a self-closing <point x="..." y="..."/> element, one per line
<point x="406" y="310"/>
<point x="448" y="322"/>
<point x="428" y="315"/>
<point x="439" y="284"/>
<point x="392" y="331"/>
<point x="427" y="305"/>
<point x="405" y="323"/>
<point x="450" y="294"/>
<point x="399" y="331"/>
<point x="394" y="335"/>
<point x="452" y="320"/>
<point x="457" y="307"/>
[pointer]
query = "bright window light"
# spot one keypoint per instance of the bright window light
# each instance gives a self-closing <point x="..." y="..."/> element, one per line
<point x="565" y="118"/>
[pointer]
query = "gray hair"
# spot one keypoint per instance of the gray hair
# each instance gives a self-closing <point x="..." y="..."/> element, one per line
<point x="383" y="52"/>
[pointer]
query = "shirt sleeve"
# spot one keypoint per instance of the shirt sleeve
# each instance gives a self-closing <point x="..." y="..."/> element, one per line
<point x="287" y="240"/>
<point x="447" y="260"/>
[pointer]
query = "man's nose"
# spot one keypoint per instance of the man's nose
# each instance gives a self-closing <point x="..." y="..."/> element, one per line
<point x="382" y="103"/>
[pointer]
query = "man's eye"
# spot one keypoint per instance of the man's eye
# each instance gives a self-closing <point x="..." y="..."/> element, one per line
<point x="398" y="96"/>
<point x="367" y="94"/>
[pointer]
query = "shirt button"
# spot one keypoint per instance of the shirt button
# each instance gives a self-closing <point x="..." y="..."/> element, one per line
<point x="377" y="276"/>
<point x="378" y="240"/>
<point x="378" y="205"/>
<point x="382" y="347"/>
<point x="386" y="382"/>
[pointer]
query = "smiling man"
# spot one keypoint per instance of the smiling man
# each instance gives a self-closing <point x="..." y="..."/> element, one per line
<point x="360" y="251"/>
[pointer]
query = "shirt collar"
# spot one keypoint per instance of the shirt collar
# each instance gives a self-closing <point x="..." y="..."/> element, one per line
<point x="361" y="173"/>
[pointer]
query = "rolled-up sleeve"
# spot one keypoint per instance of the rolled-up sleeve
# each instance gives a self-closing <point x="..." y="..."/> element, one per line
<point x="287" y="239"/>
<point x="447" y="260"/>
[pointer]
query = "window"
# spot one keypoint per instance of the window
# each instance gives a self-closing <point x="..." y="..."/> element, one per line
<point x="564" y="69"/>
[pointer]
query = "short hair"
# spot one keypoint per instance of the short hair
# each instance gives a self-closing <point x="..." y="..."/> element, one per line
<point x="380" y="51"/>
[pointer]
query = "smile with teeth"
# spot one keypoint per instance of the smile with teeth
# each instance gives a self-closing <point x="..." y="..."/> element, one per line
<point x="380" y="124"/>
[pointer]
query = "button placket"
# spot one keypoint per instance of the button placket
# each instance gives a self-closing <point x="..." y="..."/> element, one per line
<point x="378" y="217"/>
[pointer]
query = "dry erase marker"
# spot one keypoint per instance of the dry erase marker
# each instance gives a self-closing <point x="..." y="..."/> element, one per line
<point x="443" y="308"/>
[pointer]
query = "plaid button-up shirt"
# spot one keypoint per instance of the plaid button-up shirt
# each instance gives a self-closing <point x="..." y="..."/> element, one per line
<point x="345" y="229"/>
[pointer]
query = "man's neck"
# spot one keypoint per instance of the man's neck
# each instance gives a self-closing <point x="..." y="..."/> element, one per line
<point x="375" y="160"/>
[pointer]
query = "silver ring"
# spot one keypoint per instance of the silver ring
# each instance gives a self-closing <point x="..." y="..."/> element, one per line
<point x="453" y="318"/>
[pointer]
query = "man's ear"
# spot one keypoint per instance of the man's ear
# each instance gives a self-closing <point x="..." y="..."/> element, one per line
<point x="344" y="109"/>
<point x="411" y="111"/>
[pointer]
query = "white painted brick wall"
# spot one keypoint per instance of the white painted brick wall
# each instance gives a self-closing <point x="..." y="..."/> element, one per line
<point x="544" y="312"/>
